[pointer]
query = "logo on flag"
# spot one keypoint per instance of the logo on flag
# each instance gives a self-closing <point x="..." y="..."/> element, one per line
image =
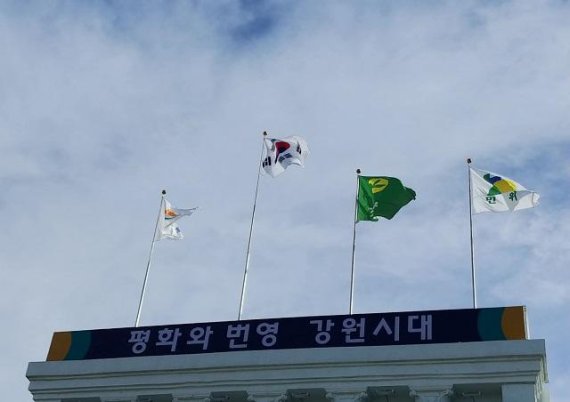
<point x="170" y="214"/>
<point x="280" y="153"/>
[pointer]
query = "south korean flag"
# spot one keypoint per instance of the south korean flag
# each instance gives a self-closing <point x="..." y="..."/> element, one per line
<point x="280" y="153"/>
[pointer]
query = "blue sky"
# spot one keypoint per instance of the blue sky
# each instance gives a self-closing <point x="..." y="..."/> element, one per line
<point x="104" y="104"/>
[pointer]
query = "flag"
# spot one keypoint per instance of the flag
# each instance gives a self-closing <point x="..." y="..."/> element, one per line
<point x="167" y="227"/>
<point x="280" y="153"/>
<point x="381" y="196"/>
<point x="491" y="192"/>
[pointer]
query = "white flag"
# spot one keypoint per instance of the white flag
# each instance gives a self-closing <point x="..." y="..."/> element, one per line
<point x="167" y="227"/>
<point x="491" y="192"/>
<point x="280" y="153"/>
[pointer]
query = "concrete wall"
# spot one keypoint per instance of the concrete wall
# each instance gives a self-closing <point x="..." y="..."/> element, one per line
<point x="500" y="371"/>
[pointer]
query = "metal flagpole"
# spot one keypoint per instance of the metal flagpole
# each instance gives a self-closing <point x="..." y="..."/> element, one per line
<point x="149" y="259"/>
<point x="354" y="241"/>
<point x="473" y="284"/>
<point x="243" y="285"/>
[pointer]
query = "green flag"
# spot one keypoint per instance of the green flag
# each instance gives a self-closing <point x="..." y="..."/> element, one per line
<point x="381" y="196"/>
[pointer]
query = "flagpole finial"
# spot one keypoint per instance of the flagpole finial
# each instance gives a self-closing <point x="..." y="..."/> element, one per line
<point x="468" y="161"/>
<point x="357" y="171"/>
<point x="163" y="192"/>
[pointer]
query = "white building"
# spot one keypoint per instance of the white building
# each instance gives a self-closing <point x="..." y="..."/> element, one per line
<point x="483" y="371"/>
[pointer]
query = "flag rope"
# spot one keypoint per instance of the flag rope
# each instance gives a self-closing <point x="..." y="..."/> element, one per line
<point x="244" y="282"/>
<point x="143" y="290"/>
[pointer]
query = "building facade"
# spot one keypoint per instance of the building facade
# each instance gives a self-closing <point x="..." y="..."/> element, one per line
<point x="487" y="371"/>
<point x="469" y="355"/>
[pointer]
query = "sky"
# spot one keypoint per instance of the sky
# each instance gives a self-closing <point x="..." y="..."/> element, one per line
<point x="104" y="104"/>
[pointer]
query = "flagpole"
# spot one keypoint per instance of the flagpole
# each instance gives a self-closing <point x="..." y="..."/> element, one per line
<point x="473" y="284"/>
<point x="244" y="283"/>
<point x="354" y="243"/>
<point x="149" y="260"/>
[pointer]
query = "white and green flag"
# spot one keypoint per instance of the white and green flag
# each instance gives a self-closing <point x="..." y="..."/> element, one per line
<point x="491" y="192"/>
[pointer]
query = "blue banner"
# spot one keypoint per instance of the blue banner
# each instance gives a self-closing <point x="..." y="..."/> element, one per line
<point x="377" y="329"/>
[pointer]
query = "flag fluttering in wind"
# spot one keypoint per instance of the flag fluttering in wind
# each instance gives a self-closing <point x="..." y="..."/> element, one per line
<point x="167" y="227"/>
<point x="376" y="196"/>
<point x="381" y="196"/>
<point x="280" y="153"/>
<point x="495" y="193"/>
<point x="276" y="156"/>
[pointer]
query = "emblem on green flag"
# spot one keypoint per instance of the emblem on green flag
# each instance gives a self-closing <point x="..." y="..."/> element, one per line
<point x="381" y="196"/>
